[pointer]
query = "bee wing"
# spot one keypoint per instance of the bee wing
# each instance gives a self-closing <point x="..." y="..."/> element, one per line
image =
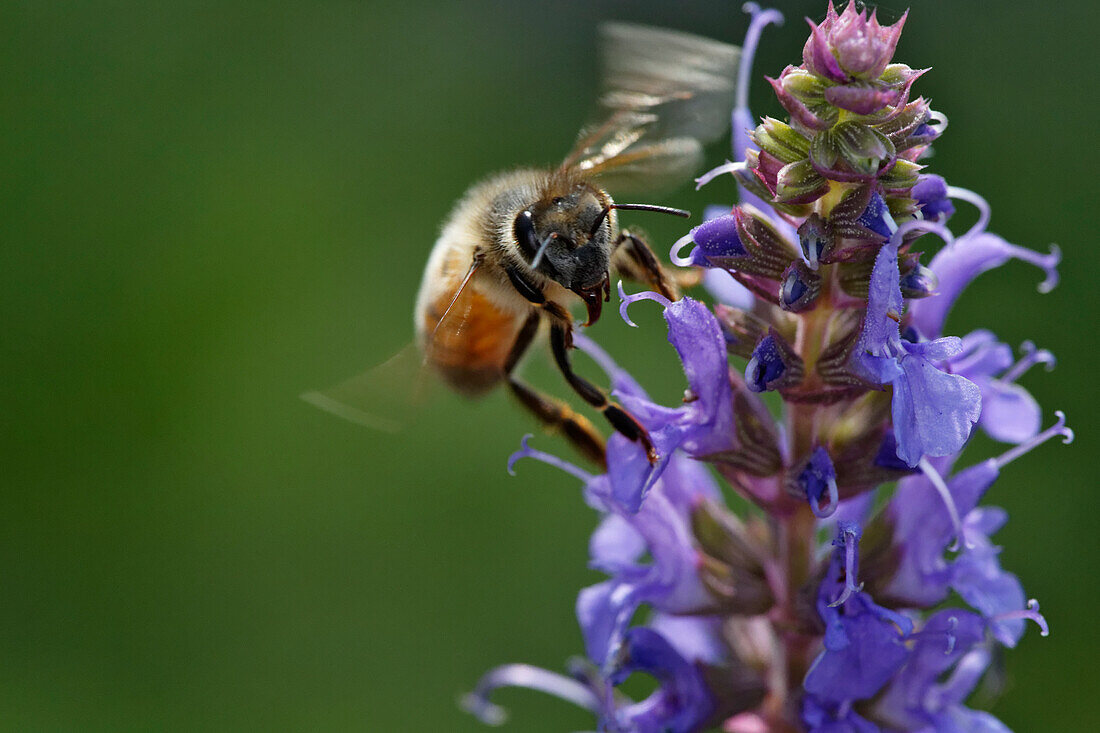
<point x="665" y="94"/>
<point x="386" y="397"/>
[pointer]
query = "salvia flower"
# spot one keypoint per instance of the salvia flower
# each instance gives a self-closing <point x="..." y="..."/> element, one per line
<point x="865" y="592"/>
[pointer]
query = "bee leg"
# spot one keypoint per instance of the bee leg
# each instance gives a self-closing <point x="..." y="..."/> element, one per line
<point x="554" y="413"/>
<point x="531" y="292"/>
<point x="620" y="419"/>
<point x="632" y="257"/>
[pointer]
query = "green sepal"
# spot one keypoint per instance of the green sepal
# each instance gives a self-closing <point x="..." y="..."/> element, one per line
<point x="862" y="147"/>
<point x="781" y="140"/>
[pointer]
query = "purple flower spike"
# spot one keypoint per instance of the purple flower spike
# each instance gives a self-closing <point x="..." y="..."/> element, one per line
<point x="826" y="607"/>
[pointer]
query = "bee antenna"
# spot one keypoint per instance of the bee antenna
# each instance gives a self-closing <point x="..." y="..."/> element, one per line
<point x="599" y="221"/>
<point x="542" y="248"/>
<point x="652" y="207"/>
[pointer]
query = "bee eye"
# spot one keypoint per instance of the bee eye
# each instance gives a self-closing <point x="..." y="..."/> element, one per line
<point x="524" y="230"/>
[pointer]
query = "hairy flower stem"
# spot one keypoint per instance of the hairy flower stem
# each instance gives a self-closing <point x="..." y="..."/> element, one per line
<point x="796" y="529"/>
<point x="796" y="536"/>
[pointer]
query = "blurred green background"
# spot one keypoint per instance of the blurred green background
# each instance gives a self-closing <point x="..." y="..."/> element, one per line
<point x="210" y="207"/>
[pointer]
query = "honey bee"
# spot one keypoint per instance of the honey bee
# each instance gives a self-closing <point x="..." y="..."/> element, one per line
<point x="520" y="247"/>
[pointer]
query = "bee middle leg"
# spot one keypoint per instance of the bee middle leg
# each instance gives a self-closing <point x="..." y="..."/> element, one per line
<point x="551" y="412"/>
<point x="632" y="257"/>
<point x="560" y="342"/>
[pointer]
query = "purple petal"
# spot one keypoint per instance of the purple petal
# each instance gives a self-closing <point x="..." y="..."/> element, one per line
<point x="725" y="289"/>
<point x="916" y="695"/>
<point x="958" y="264"/>
<point x="615" y="544"/>
<point x="978" y="578"/>
<point x="716" y="238"/>
<point x="859" y="661"/>
<point x="931" y="194"/>
<point x="1009" y="413"/>
<point x="932" y="412"/>
<point x="603" y="612"/>
<point x="923" y="529"/>
<point x="681" y="703"/>
<point x="695" y="638"/>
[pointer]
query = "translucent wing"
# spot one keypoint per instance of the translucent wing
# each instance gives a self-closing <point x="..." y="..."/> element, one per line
<point x="665" y="93"/>
<point x="384" y="398"/>
<point x="388" y="396"/>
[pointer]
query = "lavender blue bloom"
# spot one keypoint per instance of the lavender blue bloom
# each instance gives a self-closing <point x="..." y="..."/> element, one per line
<point x="680" y="704"/>
<point x="931" y="193"/>
<point x="704" y="423"/>
<point x="957" y="264"/>
<point x="933" y="411"/>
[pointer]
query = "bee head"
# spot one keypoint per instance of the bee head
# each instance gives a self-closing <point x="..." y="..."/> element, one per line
<point x="567" y="237"/>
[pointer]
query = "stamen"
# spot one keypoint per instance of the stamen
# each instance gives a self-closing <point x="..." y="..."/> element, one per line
<point x="532" y="678"/>
<point x="849" y="537"/>
<point x="597" y="354"/>
<point x="727" y="167"/>
<point x="937" y="121"/>
<point x="1058" y="428"/>
<point x="759" y="20"/>
<point x="1031" y="357"/>
<point x="528" y="452"/>
<point x="834" y="501"/>
<point x="945" y="494"/>
<point x="1031" y="612"/>
<point x="920" y="224"/>
<point x="644" y="295"/>
<point x="674" y="253"/>
<point x="965" y="194"/>
<point x="952" y="624"/>
<point x="1048" y="263"/>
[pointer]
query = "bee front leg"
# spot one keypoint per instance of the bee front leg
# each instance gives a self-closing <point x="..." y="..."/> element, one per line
<point x="561" y="340"/>
<point x="633" y="258"/>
